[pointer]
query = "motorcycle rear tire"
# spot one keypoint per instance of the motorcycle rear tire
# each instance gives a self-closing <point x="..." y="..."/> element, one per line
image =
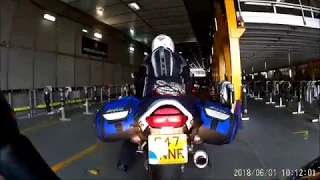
<point x="166" y="172"/>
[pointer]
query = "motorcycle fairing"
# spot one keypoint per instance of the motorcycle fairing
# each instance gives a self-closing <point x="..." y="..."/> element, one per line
<point x="220" y="121"/>
<point x="108" y="127"/>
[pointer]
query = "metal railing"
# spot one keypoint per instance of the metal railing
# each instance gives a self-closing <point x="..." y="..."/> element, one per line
<point x="313" y="10"/>
<point x="30" y="102"/>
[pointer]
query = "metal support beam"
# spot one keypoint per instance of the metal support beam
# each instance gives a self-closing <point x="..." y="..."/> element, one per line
<point x="219" y="37"/>
<point x="226" y="43"/>
<point x="226" y="52"/>
<point x="221" y="67"/>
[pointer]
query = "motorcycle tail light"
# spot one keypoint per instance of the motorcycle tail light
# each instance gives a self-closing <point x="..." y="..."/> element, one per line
<point x="159" y="121"/>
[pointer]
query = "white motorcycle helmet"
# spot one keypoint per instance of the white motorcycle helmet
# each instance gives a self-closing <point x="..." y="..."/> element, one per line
<point x="162" y="41"/>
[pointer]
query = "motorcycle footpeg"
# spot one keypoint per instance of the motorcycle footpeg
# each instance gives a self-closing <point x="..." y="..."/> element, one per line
<point x="140" y="149"/>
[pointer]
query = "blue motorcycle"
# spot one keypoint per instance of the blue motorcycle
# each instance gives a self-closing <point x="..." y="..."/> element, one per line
<point x="167" y="132"/>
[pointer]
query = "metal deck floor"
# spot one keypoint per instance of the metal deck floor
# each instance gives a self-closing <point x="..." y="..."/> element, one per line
<point x="266" y="142"/>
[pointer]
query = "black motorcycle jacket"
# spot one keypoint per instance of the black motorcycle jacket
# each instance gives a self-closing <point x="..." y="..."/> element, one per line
<point x="164" y="65"/>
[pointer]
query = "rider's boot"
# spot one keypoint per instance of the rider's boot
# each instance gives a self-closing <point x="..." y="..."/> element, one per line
<point x="126" y="155"/>
<point x="122" y="167"/>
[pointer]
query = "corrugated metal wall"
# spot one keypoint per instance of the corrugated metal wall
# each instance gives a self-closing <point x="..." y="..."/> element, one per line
<point x="35" y="52"/>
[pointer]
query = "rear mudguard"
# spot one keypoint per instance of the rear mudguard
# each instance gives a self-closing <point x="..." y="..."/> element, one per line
<point x="219" y="128"/>
<point x="118" y="129"/>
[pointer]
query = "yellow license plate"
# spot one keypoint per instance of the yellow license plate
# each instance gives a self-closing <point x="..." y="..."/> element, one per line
<point x="168" y="149"/>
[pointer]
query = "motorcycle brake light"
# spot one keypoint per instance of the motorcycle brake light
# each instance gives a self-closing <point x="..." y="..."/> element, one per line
<point x="159" y="121"/>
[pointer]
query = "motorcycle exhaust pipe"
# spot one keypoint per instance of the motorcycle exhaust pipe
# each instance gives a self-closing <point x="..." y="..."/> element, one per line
<point x="200" y="159"/>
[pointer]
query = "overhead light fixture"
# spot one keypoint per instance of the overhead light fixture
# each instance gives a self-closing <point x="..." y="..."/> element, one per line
<point x="97" y="35"/>
<point x="132" y="31"/>
<point x="134" y="6"/>
<point x="145" y="53"/>
<point x="215" y="25"/>
<point x="180" y="52"/>
<point x="49" y="17"/>
<point x="100" y="11"/>
<point x="84" y="30"/>
<point x="131" y="49"/>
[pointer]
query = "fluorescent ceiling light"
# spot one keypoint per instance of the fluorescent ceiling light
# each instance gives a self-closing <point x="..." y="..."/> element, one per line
<point x="97" y="35"/>
<point x="258" y="3"/>
<point x="145" y="53"/>
<point x="215" y="25"/>
<point x="134" y="6"/>
<point x="100" y="11"/>
<point x="49" y="17"/>
<point x="131" y="49"/>
<point x="84" y="30"/>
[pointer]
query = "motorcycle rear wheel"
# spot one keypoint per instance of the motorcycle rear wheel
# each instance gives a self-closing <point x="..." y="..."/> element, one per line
<point x="166" y="172"/>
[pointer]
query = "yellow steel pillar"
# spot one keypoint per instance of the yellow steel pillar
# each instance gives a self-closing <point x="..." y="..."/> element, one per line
<point x="219" y="37"/>
<point x="226" y="44"/>
<point x="221" y="65"/>
<point x="235" y="33"/>
<point x="226" y="52"/>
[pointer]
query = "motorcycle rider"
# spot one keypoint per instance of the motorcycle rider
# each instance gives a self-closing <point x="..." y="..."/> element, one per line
<point x="164" y="73"/>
